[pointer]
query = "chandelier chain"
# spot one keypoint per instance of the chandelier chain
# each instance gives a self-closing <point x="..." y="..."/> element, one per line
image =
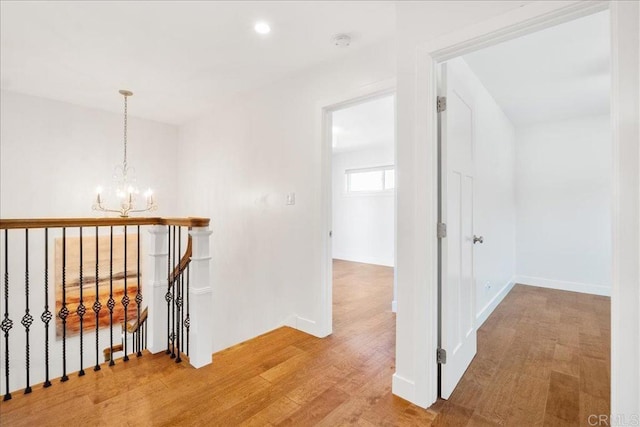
<point x="125" y="135"/>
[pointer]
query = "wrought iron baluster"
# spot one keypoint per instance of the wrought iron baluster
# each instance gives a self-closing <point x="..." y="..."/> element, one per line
<point x="138" y="299"/>
<point x="97" y="306"/>
<point x="125" y="299"/>
<point x="167" y="296"/>
<point x="81" y="310"/>
<point x="64" y="311"/>
<point x="46" y="314"/>
<point x="176" y="287"/>
<point x="182" y="301"/>
<point x="27" y="319"/>
<point x="7" y="323"/>
<point x="111" y="303"/>
<point x="187" y="321"/>
<point x="173" y="297"/>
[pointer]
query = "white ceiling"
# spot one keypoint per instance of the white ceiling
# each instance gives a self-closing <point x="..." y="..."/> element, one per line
<point x="365" y="125"/>
<point x="178" y="57"/>
<point x="557" y="73"/>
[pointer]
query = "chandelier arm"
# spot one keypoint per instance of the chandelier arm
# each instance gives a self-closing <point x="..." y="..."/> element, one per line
<point x="103" y="209"/>
<point x="150" y="209"/>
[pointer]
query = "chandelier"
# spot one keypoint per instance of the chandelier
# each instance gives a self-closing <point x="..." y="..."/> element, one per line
<point x="124" y="181"/>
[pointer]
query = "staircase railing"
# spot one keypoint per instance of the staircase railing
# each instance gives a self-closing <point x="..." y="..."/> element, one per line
<point x="138" y="330"/>
<point x="48" y="320"/>
<point x="179" y="321"/>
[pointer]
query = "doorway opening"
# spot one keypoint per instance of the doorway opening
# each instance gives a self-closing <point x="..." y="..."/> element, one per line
<point x="526" y="170"/>
<point x="361" y="198"/>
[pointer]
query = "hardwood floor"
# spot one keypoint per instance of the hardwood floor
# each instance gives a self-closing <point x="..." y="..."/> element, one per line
<point x="543" y="359"/>
<point x="285" y="377"/>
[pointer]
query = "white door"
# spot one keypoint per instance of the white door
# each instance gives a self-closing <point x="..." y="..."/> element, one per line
<point x="457" y="290"/>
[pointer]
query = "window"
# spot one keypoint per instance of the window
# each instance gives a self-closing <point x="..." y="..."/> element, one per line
<point x="381" y="178"/>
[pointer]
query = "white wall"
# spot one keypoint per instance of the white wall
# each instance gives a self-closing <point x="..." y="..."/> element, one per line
<point x="244" y="157"/>
<point x="564" y="204"/>
<point x="363" y="223"/>
<point x="494" y="198"/>
<point x="53" y="155"/>
<point x="625" y="296"/>
<point x="625" y="300"/>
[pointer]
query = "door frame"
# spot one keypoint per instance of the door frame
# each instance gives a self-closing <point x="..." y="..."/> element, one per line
<point x="327" y="107"/>
<point x="421" y="290"/>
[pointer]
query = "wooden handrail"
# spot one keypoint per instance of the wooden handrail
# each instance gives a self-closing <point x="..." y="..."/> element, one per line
<point x="184" y="262"/>
<point x="133" y="325"/>
<point x="99" y="222"/>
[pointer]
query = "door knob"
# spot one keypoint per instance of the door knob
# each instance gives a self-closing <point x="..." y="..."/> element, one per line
<point x="477" y="239"/>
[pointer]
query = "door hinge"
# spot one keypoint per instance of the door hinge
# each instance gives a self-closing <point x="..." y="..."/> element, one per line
<point x="442" y="230"/>
<point x="441" y="104"/>
<point x="441" y="356"/>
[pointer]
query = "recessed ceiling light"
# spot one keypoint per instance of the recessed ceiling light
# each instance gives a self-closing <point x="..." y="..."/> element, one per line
<point x="262" y="28"/>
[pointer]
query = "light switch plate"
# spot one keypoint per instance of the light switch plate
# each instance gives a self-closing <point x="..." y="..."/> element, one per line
<point x="291" y="199"/>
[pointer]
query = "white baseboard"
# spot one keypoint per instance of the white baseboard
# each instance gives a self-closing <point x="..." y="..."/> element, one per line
<point x="585" y="288"/>
<point x="365" y="260"/>
<point x="305" y="325"/>
<point x="486" y="311"/>
<point x="290" y="321"/>
<point x="403" y="388"/>
<point x="394" y="306"/>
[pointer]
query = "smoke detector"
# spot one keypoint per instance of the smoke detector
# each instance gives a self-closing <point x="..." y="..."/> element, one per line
<point x="341" y="40"/>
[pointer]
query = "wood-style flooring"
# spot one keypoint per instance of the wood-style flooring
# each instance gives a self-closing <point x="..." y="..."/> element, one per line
<point x="543" y="359"/>
<point x="284" y="377"/>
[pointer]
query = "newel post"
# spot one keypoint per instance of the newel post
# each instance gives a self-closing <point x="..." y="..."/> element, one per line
<point x="200" y="296"/>
<point x="158" y="306"/>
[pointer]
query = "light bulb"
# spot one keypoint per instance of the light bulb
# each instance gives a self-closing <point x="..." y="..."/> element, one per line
<point x="262" y="28"/>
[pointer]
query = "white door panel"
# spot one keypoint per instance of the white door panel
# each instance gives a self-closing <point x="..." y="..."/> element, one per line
<point x="458" y="333"/>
